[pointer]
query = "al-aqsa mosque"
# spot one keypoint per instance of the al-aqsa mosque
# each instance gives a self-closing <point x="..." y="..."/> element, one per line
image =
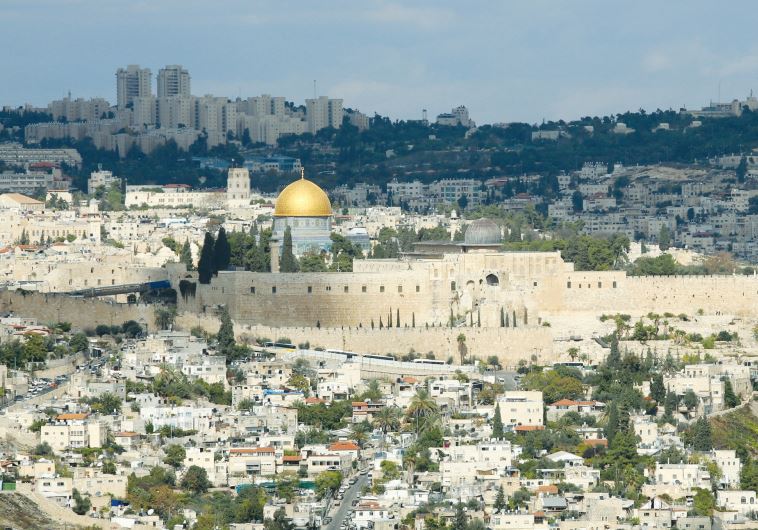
<point x="305" y="208"/>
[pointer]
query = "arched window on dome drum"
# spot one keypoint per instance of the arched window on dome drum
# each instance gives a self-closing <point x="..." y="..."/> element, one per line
<point x="492" y="280"/>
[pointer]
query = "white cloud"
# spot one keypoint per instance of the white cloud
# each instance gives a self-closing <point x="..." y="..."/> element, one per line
<point x="426" y="18"/>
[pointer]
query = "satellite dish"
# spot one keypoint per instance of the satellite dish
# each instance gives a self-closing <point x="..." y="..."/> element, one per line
<point x="150" y="511"/>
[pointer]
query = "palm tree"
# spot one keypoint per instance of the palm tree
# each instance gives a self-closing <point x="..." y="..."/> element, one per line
<point x="461" y="339"/>
<point x="388" y="418"/>
<point x="422" y="406"/>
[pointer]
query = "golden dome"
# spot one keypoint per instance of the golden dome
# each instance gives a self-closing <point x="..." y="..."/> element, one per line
<point x="302" y="198"/>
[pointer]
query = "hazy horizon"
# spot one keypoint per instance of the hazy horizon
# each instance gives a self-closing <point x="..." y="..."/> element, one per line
<point x="514" y="61"/>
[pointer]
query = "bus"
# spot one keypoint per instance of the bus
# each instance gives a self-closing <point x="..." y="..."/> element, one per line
<point x="429" y="361"/>
<point x="282" y="345"/>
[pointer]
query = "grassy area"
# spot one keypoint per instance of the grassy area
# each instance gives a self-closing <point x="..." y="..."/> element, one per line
<point x="736" y="429"/>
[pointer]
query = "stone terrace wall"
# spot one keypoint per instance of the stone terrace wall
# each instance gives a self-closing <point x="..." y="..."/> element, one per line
<point x="509" y="344"/>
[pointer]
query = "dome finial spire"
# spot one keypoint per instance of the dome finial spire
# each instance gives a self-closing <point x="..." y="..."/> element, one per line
<point x="302" y="172"/>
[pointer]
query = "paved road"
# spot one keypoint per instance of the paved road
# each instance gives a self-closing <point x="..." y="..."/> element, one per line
<point x="347" y="501"/>
<point x="509" y="383"/>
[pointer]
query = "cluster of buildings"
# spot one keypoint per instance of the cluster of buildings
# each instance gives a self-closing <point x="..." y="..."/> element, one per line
<point x="257" y="436"/>
<point x="146" y="120"/>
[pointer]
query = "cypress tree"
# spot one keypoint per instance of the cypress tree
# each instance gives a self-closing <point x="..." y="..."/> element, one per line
<point x="288" y="263"/>
<point x="613" y="423"/>
<point x="185" y="256"/>
<point x="205" y="263"/>
<point x="657" y="390"/>
<point x="497" y="424"/>
<point x="222" y="252"/>
<point x="730" y="398"/>
<point x="225" y="335"/>
<point x="702" y="439"/>
<point x="500" y="503"/>
<point x="614" y="357"/>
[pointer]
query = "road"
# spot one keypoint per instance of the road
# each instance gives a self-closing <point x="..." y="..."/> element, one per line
<point x="350" y="495"/>
<point x="508" y="377"/>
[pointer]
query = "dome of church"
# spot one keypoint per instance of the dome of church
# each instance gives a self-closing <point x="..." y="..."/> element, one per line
<point x="482" y="232"/>
<point x="302" y="198"/>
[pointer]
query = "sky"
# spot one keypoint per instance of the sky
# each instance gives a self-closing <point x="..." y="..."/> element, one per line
<point x="530" y="60"/>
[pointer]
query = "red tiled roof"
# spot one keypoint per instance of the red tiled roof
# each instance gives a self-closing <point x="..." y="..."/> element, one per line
<point x="313" y="400"/>
<point x="529" y="428"/>
<point x="547" y="488"/>
<point x="291" y="458"/>
<point x="592" y="443"/>
<point x="359" y="404"/>
<point x="571" y="403"/>
<point x="72" y="416"/>
<point x="343" y="446"/>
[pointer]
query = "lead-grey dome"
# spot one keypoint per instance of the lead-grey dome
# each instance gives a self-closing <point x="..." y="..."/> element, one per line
<point x="483" y="232"/>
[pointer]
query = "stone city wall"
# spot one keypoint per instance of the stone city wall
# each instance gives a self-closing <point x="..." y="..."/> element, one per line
<point x="80" y="312"/>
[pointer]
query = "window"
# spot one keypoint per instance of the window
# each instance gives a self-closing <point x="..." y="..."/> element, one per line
<point x="534" y="284"/>
<point x="614" y="285"/>
<point x="381" y="288"/>
<point x="328" y="287"/>
<point x="310" y="289"/>
<point x="363" y="289"/>
<point x="346" y="289"/>
<point x="418" y="288"/>
<point x="399" y="288"/>
<point x="452" y="286"/>
<point x="599" y="285"/>
<point x="568" y="285"/>
<point x="273" y="290"/>
<point x="252" y="290"/>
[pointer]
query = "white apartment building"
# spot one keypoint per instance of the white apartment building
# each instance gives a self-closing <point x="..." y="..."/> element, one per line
<point x="323" y="112"/>
<point x="450" y="190"/>
<point x="729" y="464"/>
<point x="78" y="109"/>
<point x="175" y="111"/>
<point x="742" y="501"/>
<point x="28" y="181"/>
<point x="685" y="476"/>
<point x="173" y="80"/>
<point x="132" y="82"/>
<point x="101" y="178"/>
<point x="14" y="154"/>
<point x="73" y="431"/>
<point x="522" y="408"/>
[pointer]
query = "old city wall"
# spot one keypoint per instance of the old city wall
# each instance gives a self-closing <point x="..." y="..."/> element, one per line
<point x="80" y="312"/>
<point x="508" y="344"/>
<point x="614" y="292"/>
<point x="326" y="300"/>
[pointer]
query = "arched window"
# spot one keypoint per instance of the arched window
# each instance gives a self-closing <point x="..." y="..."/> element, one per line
<point x="492" y="280"/>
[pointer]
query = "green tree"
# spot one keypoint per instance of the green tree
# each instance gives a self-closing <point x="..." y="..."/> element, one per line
<point x="730" y="398"/>
<point x="421" y="408"/>
<point x="288" y="262"/>
<point x="664" y="238"/>
<point x="657" y="389"/>
<point x="225" y="335"/>
<point x="205" y="263"/>
<point x="460" y="520"/>
<point x="82" y="505"/>
<point x="611" y="427"/>
<point x="185" y="255"/>
<point x="196" y="480"/>
<point x="497" y="424"/>
<point x="78" y="342"/>
<point x="703" y="502"/>
<point x="327" y="482"/>
<point x="165" y="316"/>
<point x="175" y="455"/>
<point x="279" y="522"/>
<point x="690" y="399"/>
<point x="741" y="170"/>
<point x="388" y="418"/>
<point x="221" y="252"/>
<point x="702" y="439"/>
<point x="500" y="502"/>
